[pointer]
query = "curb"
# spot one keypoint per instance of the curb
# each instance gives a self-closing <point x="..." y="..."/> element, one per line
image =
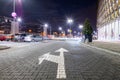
<point x="105" y="50"/>
<point x="4" y="48"/>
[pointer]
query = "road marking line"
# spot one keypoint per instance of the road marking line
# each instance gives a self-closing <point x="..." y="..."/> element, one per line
<point x="61" y="73"/>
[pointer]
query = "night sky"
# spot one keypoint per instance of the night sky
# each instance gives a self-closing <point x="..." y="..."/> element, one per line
<point x="53" y="12"/>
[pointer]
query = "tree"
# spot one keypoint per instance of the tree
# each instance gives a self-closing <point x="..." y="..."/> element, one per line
<point x="87" y="30"/>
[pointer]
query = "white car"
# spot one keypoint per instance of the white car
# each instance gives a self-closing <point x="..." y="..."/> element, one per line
<point x="32" y="38"/>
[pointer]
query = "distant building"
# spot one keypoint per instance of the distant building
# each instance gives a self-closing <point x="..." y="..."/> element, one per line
<point x="108" y="20"/>
<point x="8" y="26"/>
<point x="5" y="24"/>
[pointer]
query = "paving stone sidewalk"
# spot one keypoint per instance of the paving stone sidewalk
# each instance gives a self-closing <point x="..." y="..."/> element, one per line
<point x="112" y="46"/>
<point x="4" y="47"/>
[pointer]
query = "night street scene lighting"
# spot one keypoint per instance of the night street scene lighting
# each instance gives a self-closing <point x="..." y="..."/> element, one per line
<point x="60" y="28"/>
<point x="59" y="39"/>
<point x="46" y="25"/>
<point x="70" y="22"/>
<point x="19" y="19"/>
<point x="80" y="26"/>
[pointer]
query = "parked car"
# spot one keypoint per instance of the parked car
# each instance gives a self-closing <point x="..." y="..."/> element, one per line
<point x="32" y="38"/>
<point x="9" y="37"/>
<point x="2" y="37"/>
<point x="46" y="38"/>
<point x="19" y="37"/>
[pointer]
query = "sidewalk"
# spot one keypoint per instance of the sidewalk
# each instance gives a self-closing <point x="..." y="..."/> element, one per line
<point x="109" y="45"/>
<point x="3" y="47"/>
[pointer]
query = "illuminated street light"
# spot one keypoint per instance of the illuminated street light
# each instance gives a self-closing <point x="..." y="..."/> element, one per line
<point x="45" y="29"/>
<point x="14" y="23"/>
<point x="29" y="30"/>
<point x="14" y="14"/>
<point x="80" y="26"/>
<point x="19" y="19"/>
<point x="70" y="21"/>
<point x="46" y="25"/>
<point x="60" y="28"/>
<point x="62" y="32"/>
<point x="19" y="1"/>
<point x="68" y="30"/>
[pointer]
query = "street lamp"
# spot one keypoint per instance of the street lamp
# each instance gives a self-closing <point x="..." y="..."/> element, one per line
<point x="14" y="24"/>
<point x="80" y="26"/>
<point x="14" y="12"/>
<point x="13" y="5"/>
<point x="19" y="19"/>
<point x="45" y="29"/>
<point x="60" y="28"/>
<point x="68" y="30"/>
<point x="46" y="25"/>
<point x="62" y="31"/>
<point x="70" y="22"/>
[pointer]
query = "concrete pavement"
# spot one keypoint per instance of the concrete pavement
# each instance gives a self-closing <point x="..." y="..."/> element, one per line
<point x="80" y="62"/>
<point x="4" y="47"/>
<point x="109" y="45"/>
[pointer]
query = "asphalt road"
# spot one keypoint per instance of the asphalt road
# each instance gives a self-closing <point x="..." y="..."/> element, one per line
<point x="58" y="60"/>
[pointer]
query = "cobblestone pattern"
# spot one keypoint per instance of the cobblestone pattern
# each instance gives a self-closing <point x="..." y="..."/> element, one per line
<point x="113" y="46"/>
<point x="80" y="63"/>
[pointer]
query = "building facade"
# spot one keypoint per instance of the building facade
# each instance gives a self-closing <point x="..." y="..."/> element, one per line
<point x="108" y="20"/>
<point x="8" y="26"/>
<point x="5" y="24"/>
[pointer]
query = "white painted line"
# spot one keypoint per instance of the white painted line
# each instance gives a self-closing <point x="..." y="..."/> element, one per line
<point x="45" y="56"/>
<point x="61" y="73"/>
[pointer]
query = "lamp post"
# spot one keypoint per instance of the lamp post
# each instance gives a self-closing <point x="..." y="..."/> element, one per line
<point x="14" y="24"/>
<point x="80" y="27"/>
<point x="45" y="29"/>
<point x="70" y="22"/>
<point x="19" y="19"/>
<point x="14" y="12"/>
<point x="60" y="28"/>
<point x="68" y="30"/>
<point x="13" y="5"/>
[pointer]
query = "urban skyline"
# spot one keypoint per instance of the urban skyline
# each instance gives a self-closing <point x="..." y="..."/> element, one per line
<point x="55" y="13"/>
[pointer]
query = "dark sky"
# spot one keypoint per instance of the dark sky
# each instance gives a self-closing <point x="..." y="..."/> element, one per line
<point x="54" y="12"/>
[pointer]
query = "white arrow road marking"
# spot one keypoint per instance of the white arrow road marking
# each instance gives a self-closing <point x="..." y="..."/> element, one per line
<point x="61" y="74"/>
<point x="48" y="57"/>
<point x="42" y="58"/>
